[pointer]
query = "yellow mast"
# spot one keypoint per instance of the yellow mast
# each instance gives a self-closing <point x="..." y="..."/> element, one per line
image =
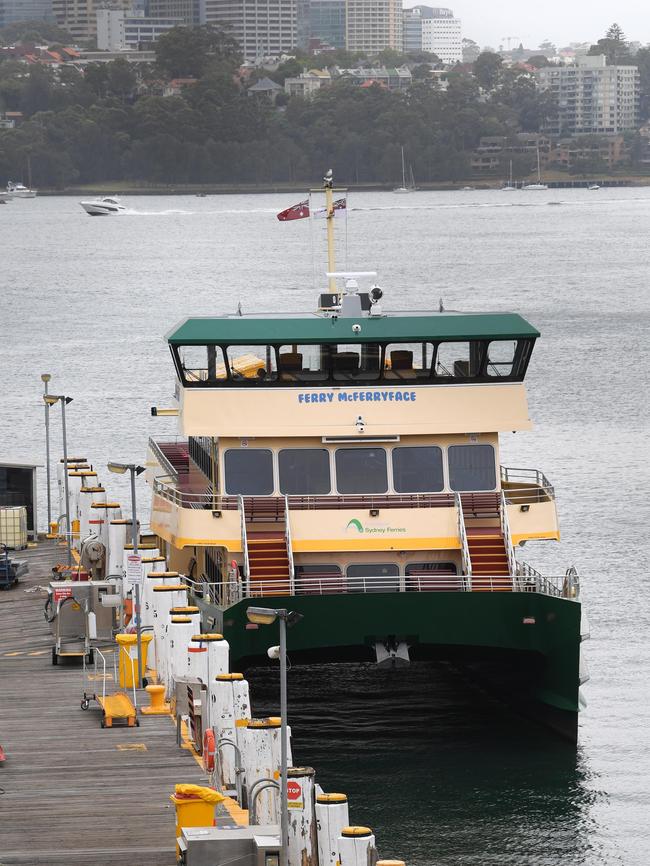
<point x="329" y="206"/>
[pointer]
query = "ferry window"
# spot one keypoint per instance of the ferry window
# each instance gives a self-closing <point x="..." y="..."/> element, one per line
<point x="418" y="469"/>
<point x="408" y="361"/>
<point x="422" y="568"/>
<point x="373" y="577"/>
<point x="501" y="357"/>
<point x="357" y="361"/>
<point x="252" y="363"/>
<point x="249" y="471"/>
<point x="471" y="467"/>
<point x="361" y="470"/>
<point x="458" y="360"/>
<point x="304" y="471"/>
<point x="319" y="579"/>
<point x="301" y="363"/>
<point x="202" y="364"/>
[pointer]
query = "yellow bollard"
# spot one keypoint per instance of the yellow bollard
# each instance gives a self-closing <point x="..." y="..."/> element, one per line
<point x="157" y="707"/>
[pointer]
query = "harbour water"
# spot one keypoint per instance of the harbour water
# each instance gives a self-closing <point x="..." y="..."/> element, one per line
<point x="441" y="773"/>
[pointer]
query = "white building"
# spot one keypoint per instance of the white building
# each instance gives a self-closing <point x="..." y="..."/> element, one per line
<point x="434" y="30"/>
<point x="372" y="25"/>
<point x="118" y="30"/>
<point x="591" y="97"/>
<point x="263" y="28"/>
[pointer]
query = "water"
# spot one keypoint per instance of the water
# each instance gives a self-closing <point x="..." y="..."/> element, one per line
<point x="443" y="775"/>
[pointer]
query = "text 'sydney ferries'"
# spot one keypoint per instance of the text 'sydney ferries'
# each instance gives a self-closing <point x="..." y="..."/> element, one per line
<point x="386" y="396"/>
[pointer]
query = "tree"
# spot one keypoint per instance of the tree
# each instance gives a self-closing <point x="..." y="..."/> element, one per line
<point x="538" y="61"/>
<point x="471" y="50"/>
<point x="41" y="32"/>
<point x="188" y="52"/>
<point x="487" y="70"/>
<point x="642" y="61"/>
<point x="614" y="46"/>
<point x="121" y="79"/>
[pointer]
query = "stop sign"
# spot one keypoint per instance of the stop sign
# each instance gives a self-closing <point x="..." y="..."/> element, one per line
<point x="293" y="790"/>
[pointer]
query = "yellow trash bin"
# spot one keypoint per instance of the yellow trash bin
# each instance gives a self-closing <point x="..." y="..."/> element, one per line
<point x="194" y="806"/>
<point x="128" y="658"/>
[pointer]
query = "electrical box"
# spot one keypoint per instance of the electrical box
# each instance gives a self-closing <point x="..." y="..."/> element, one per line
<point x="213" y="846"/>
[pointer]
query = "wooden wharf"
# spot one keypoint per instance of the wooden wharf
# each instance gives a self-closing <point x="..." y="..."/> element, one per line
<point x="70" y="791"/>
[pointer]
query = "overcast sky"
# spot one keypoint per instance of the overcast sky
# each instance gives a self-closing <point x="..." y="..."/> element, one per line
<point x="561" y="21"/>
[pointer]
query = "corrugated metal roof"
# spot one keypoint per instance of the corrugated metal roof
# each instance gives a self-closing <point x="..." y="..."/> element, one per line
<point x="321" y="329"/>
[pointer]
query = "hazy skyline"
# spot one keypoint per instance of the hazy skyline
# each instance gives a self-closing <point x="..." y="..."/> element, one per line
<point x="556" y="20"/>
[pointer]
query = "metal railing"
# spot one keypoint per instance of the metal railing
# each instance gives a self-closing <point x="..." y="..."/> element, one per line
<point x="287" y="539"/>
<point x="244" y="541"/>
<point x="529" y="486"/>
<point x="524" y="569"/>
<point x="507" y="538"/>
<point x="464" y="545"/>
<point x="161" y="457"/>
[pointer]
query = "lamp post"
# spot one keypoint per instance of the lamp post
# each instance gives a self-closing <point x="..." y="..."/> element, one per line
<point x="134" y="469"/>
<point x="287" y="618"/>
<point x="45" y="378"/>
<point x="50" y="400"/>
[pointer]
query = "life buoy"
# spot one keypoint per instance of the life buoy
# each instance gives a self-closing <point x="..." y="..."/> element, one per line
<point x="209" y="750"/>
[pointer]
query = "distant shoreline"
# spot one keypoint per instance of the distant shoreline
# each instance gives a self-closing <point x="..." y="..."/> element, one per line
<point x="120" y="188"/>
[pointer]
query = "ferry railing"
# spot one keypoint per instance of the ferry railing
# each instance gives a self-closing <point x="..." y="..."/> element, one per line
<point x="561" y="587"/>
<point x="507" y="538"/>
<point x="464" y="546"/>
<point x="287" y="539"/>
<point x="532" y="486"/>
<point x="244" y="540"/>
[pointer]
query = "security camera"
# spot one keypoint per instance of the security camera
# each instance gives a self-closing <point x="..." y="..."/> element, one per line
<point x="356" y="329"/>
<point x="376" y="294"/>
<point x="273" y="652"/>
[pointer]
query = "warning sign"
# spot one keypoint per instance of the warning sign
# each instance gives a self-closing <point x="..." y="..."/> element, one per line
<point x="134" y="572"/>
<point x="61" y="592"/>
<point x="294" y="795"/>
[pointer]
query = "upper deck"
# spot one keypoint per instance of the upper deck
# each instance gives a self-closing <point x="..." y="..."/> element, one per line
<point x="269" y="374"/>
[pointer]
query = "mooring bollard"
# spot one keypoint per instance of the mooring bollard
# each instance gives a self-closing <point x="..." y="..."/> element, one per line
<point x="88" y="496"/>
<point x="229" y="714"/>
<point x="302" y="842"/>
<point x="101" y="515"/>
<point x="116" y="541"/>
<point x="355" y="843"/>
<point x="184" y="622"/>
<point x="207" y="656"/>
<point x="165" y="596"/>
<point x="332" y="815"/>
<point x="261" y="760"/>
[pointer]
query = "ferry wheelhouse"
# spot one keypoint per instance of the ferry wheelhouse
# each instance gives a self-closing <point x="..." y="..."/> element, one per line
<point x="346" y="464"/>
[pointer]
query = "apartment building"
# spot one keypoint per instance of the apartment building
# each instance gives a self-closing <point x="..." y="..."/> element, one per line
<point x="79" y="17"/>
<point x="435" y="30"/>
<point x="263" y="28"/>
<point x="373" y="25"/>
<point x="119" y="31"/>
<point x="591" y="97"/>
<point x="12" y="11"/>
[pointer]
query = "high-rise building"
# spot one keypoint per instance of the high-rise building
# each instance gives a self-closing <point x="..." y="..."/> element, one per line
<point x="373" y="25"/>
<point x="12" y="11"/>
<point x="591" y="97"/>
<point x="79" y="17"/>
<point x="323" y="20"/>
<point x="434" y="30"/>
<point x="263" y="28"/>
<point x="191" y="12"/>
<point x="117" y="30"/>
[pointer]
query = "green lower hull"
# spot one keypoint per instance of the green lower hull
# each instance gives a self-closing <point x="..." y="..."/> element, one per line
<point x="526" y="646"/>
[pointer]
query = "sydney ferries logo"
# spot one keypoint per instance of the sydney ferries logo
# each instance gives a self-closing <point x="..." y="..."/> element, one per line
<point x="357" y="526"/>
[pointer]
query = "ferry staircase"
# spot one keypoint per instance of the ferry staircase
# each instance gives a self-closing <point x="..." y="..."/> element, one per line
<point x="490" y="556"/>
<point x="266" y="542"/>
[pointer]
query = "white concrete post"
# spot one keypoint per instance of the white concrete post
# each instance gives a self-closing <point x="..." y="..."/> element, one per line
<point x="332" y="815"/>
<point x="116" y="541"/>
<point x="354" y="846"/>
<point x="165" y="597"/>
<point x="302" y="843"/>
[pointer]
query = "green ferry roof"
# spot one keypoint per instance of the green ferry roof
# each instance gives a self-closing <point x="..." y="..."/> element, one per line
<point x="316" y="328"/>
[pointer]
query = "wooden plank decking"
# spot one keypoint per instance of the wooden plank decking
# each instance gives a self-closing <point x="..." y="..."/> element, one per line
<point x="72" y="793"/>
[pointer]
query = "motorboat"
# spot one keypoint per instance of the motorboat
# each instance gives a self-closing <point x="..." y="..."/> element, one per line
<point x="593" y="186"/>
<point x="104" y="206"/>
<point x="19" y="190"/>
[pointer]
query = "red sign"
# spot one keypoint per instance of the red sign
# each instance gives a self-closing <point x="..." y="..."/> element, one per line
<point x="294" y="790"/>
<point x="61" y="592"/>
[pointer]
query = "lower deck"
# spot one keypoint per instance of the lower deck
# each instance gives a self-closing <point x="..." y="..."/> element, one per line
<point x="72" y="792"/>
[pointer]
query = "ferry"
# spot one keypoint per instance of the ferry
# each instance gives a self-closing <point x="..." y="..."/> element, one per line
<point x="346" y="464"/>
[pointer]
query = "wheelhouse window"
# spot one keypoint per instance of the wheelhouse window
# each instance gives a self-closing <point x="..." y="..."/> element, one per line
<point x="304" y="471"/>
<point x="408" y="361"/>
<point x="418" y="469"/>
<point x="361" y="470"/>
<point x="252" y="363"/>
<point x="501" y="358"/>
<point x="373" y="577"/>
<point x="353" y="362"/>
<point x="249" y="471"/>
<point x="202" y="365"/>
<point x="458" y="360"/>
<point x="302" y="363"/>
<point x="471" y="467"/>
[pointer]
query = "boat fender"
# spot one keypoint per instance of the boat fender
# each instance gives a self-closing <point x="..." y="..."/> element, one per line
<point x="209" y="750"/>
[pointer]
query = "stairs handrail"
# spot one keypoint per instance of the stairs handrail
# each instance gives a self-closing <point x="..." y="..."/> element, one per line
<point x="244" y="541"/>
<point x="287" y="538"/>
<point x="464" y="546"/>
<point x="507" y="538"/>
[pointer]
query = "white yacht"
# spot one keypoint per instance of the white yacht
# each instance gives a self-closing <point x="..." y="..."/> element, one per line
<point x="19" y="190"/>
<point x="105" y="206"/>
<point x="538" y="183"/>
